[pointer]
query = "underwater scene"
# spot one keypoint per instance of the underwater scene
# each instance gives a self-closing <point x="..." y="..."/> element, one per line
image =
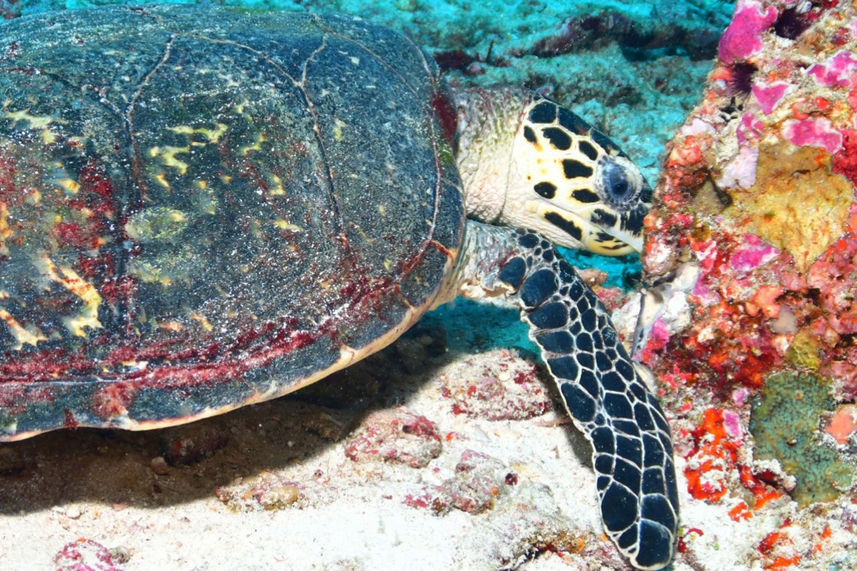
<point x="688" y="402"/>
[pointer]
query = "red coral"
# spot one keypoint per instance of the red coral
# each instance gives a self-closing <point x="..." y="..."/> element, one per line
<point x="845" y="161"/>
<point x="713" y="461"/>
<point x="712" y="458"/>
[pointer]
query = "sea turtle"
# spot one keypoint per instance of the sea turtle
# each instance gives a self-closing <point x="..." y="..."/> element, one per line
<point x="203" y="208"/>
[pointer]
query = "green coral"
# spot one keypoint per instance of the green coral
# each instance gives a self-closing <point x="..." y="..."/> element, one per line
<point x="784" y="423"/>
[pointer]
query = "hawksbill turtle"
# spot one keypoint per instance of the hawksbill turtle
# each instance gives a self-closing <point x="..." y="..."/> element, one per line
<point x="202" y="209"/>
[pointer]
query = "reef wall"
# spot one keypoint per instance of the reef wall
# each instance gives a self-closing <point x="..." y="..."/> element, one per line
<point x="754" y="237"/>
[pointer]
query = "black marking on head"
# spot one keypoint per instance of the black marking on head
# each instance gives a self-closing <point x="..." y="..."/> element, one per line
<point x="545" y="189"/>
<point x="586" y="361"/>
<point x="573" y="122"/>
<point x="565" y="225"/>
<point x="557" y="137"/>
<point x="538" y="287"/>
<point x="555" y="342"/>
<point x="529" y="134"/>
<point x="605" y="142"/>
<point x="587" y="149"/>
<point x="513" y="271"/>
<point x="618" y="508"/>
<point x="547" y="256"/>
<point x="544" y="112"/>
<point x="549" y="316"/>
<point x="585" y="196"/>
<point x="581" y="406"/>
<point x="564" y="367"/>
<point x="633" y="221"/>
<point x="655" y="545"/>
<point x="575" y="169"/>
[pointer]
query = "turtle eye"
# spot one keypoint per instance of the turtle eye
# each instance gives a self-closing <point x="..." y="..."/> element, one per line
<point x="618" y="188"/>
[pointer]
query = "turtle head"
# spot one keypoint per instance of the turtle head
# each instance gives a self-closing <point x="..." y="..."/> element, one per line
<point x="526" y="161"/>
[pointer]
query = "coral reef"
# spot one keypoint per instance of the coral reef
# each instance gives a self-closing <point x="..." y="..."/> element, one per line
<point x="758" y="199"/>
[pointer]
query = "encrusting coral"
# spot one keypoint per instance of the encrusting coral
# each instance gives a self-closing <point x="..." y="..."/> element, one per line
<point x="758" y="198"/>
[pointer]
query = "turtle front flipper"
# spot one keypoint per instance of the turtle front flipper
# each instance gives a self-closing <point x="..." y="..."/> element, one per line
<point x="602" y="388"/>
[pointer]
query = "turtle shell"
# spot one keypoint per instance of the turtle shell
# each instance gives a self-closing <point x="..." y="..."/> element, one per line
<point x="202" y="208"/>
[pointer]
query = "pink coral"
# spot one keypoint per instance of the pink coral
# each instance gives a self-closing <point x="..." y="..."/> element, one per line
<point x="750" y="129"/>
<point x="742" y="170"/>
<point x="742" y="38"/>
<point x="815" y="132"/>
<point x="752" y="254"/>
<point x="838" y="71"/>
<point x="769" y="95"/>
